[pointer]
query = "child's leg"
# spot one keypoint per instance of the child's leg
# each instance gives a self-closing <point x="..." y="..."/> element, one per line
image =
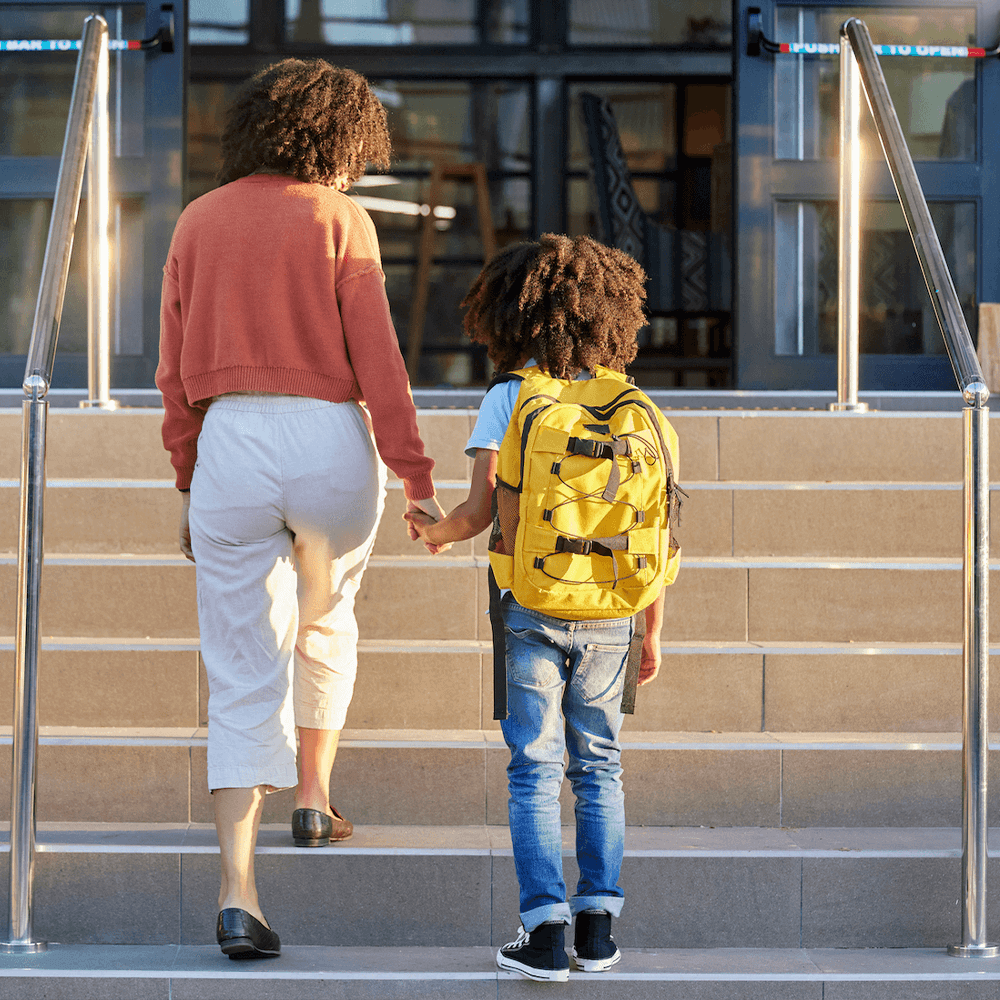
<point x="536" y="670"/>
<point x="592" y="707"/>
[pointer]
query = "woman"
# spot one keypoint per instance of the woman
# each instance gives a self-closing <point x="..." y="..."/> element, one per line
<point x="274" y="325"/>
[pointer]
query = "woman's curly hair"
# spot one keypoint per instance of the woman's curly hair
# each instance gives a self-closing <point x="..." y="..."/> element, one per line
<point x="571" y="304"/>
<point x="307" y="119"/>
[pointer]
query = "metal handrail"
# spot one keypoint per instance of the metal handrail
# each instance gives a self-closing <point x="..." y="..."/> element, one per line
<point x="37" y="379"/>
<point x="99" y="248"/>
<point x="848" y="255"/>
<point x="962" y="354"/>
<point x="944" y="298"/>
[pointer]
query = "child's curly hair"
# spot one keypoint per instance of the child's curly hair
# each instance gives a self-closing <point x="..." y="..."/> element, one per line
<point x="307" y="119"/>
<point x="570" y="304"/>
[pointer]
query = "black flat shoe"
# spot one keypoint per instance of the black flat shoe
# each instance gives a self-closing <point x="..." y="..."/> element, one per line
<point x="312" y="828"/>
<point x="242" y="935"/>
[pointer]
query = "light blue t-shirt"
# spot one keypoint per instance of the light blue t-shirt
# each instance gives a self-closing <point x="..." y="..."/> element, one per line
<point x="495" y="412"/>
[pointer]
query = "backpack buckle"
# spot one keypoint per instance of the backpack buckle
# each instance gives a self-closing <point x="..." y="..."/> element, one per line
<point x="587" y="447"/>
<point x="578" y="546"/>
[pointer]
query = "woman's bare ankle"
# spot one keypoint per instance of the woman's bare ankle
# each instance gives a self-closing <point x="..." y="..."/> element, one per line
<point x="312" y="799"/>
<point x="234" y="901"/>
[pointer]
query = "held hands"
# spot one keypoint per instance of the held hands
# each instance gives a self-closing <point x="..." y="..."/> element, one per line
<point x="417" y="522"/>
<point x="420" y="515"/>
<point x="184" y="535"/>
<point x="649" y="663"/>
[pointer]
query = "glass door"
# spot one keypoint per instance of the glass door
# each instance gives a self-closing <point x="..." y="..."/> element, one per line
<point x="787" y="162"/>
<point x="147" y="172"/>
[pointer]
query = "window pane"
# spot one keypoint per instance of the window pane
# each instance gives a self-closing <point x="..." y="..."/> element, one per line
<point x="128" y="221"/>
<point x="207" y="103"/>
<point x="678" y="173"/>
<point x="508" y="22"/>
<point x="646" y="118"/>
<point x="935" y="98"/>
<point x="35" y="87"/>
<point x="24" y="226"/>
<point x="896" y="313"/>
<point x="488" y="122"/>
<point x="650" y="22"/>
<point x="219" y="22"/>
<point x="447" y="358"/>
<point x="386" y="22"/>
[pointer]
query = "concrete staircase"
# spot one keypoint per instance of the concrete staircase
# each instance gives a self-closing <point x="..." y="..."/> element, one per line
<point x="792" y="778"/>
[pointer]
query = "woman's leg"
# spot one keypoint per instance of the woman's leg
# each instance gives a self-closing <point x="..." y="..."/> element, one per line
<point x="237" y="819"/>
<point x="336" y="498"/>
<point x="248" y="619"/>
<point x="317" y="752"/>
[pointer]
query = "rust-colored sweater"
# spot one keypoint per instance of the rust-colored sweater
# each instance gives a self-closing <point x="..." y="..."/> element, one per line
<point x="275" y="285"/>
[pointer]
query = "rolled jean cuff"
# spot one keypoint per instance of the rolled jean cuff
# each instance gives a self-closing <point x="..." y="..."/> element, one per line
<point x="546" y="914"/>
<point x="250" y="777"/>
<point x="610" y="904"/>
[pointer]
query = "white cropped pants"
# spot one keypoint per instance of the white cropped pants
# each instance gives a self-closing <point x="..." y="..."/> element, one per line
<point x="285" y="502"/>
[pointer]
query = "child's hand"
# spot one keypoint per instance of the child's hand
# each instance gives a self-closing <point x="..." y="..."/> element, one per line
<point x="417" y="521"/>
<point x="649" y="663"/>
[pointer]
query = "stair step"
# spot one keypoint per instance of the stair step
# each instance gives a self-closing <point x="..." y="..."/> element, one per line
<point x="861" y="520"/>
<point x="729" y="686"/>
<point x="127" y="443"/>
<point x="734" y="445"/>
<point x="459" y="778"/>
<point x="187" y="972"/>
<point x="684" y="888"/>
<point x="488" y="739"/>
<point x="733" y="599"/>
<point x="458" y="841"/>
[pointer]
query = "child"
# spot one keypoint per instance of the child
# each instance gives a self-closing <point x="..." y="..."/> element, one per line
<point x="568" y="306"/>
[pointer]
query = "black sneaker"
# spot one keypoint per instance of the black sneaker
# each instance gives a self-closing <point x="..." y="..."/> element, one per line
<point x="594" y="950"/>
<point x="540" y="954"/>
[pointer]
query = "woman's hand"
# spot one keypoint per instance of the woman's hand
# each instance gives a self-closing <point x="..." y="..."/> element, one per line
<point x="184" y="535"/>
<point x="417" y="523"/>
<point x="430" y="506"/>
<point x="421" y="514"/>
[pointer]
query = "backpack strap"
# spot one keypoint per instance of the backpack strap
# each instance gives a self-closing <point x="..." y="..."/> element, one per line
<point x="496" y="615"/>
<point x="632" y="663"/>
<point x="502" y="377"/>
<point x="609" y="450"/>
<point x="499" y="651"/>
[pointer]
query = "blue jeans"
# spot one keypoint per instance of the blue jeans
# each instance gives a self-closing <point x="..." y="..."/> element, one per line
<point x="564" y="686"/>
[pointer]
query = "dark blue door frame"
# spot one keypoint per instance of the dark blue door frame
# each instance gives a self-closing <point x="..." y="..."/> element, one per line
<point x="762" y="182"/>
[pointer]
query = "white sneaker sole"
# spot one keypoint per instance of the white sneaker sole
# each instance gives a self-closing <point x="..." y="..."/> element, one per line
<point x="596" y="964"/>
<point x="538" y="975"/>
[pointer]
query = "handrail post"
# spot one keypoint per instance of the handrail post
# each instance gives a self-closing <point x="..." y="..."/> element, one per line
<point x="849" y="248"/>
<point x="976" y="558"/>
<point x="25" y="741"/>
<point x="37" y="379"/>
<point x="975" y="701"/>
<point x="99" y="248"/>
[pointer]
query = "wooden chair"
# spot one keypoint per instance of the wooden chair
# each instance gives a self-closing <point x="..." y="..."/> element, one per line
<point x="441" y="172"/>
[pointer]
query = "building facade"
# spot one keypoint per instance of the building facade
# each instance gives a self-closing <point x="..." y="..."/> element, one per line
<point x="718" y="140"/>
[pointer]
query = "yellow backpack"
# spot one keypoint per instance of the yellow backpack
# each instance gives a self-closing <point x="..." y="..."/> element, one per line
<point x="592" y="464"/>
